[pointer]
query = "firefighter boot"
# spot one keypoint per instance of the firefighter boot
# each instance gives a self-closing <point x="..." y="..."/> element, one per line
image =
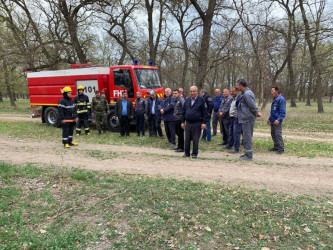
<point x="66" y="145"/>
<point x="73" y="143"/>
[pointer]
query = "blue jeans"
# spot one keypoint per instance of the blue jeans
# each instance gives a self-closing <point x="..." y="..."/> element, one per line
<point x="235" y="130"/>
<point x="207" y="134"/>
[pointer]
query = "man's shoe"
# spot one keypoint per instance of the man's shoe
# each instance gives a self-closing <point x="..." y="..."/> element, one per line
<point x="273" y="149"/>
<point x="227" y="147"/>
<point x="73" y="144"/>
<point x="280" y="152"/>
<point x="234" y="151"/>
<point x="179" y="150"/>
<point x="220" y="144"/>
<point x="77" y="134"/>
<point x="245" y="158"/>
<point x="224" y="143"/>
<point x="66" y="145"/>
<point x="194" y="156"/>
<point x="185" y="155"/>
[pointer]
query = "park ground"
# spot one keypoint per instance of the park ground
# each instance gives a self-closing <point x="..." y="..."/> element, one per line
<point x="112" y="192"/>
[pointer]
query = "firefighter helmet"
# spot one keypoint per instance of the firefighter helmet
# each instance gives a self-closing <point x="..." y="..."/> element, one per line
<point x="66" y="89"/>
<point x="80" y="87"/>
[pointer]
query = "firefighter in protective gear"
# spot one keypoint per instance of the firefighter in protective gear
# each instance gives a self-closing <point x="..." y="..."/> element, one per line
<point x="99" y="109"/>
<point x="83" y="109"/>
<point x="67" y="115"/>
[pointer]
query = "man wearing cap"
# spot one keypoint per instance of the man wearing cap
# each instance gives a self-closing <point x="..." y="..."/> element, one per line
<point x="247" y="112"/>
<point x="100" y="109"/>
<point x="124" y="112"/>
<point x="67" y="115"/>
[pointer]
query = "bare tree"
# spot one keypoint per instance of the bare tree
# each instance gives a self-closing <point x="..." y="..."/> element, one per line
<point x="312" y="36"/>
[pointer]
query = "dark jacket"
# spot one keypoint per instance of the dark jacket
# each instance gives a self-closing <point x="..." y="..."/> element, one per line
<point x="82" y="104"/>
<point x="66" y="109"/>
<point x="217" y="102"/>
<point x="225" y="106"/>
<point x="119" y="108"/>
<point x="247" y="109"/>
<point x="208" y="103"/>
<point x="157" y="104"/>
<point x="278" y="109"/>
<point x="168" y="105"/>
<point x="195" y="113"/>
<point x="140" y="106"/>
<point x="179" y="104"/>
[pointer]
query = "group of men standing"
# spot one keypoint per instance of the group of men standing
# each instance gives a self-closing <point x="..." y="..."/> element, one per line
<point x="236" y="112"/>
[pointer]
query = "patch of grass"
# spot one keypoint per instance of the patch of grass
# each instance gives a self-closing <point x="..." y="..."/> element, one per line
<point x="39" y="131"/>
<point x="22" y="106"/>
<point x="117" y="211"/>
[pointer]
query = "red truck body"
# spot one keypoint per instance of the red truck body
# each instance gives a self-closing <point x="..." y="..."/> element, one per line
<point x="45" y="86"/>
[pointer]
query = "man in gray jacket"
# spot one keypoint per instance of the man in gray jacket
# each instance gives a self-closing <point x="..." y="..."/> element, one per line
<point x="179" y="103"/>
<point x="224" y="114"/>
<point x="247" y="112"/>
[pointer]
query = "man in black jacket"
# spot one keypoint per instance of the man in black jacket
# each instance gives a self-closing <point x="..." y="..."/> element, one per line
<point x="67" y="115"/>
<point x="194" y="118"/>
<point x="207" y="134"/>
<point x="124" y="112"/>
<point x="179" y="103"/>
<point x="167" y="109"/>
<point x="140" y="110"/>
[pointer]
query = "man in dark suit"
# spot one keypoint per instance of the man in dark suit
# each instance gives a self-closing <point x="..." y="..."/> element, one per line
<point x="124" y="112"/>
<point x="194" y="118"/>
<point x="153" y="114"/>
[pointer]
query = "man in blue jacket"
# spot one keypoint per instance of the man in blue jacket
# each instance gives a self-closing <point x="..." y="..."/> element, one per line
<point x="167" y="109"/>
<point x="278" y="113"/>
<point x="216" y="115"/>
<point x="194" y="119"/>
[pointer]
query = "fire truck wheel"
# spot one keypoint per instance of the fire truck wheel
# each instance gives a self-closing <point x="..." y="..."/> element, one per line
<point x="113" y="123"/>
<point x="52" y="117"/>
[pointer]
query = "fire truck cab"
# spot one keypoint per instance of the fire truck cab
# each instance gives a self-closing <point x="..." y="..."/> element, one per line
<point x="45" y="87"/>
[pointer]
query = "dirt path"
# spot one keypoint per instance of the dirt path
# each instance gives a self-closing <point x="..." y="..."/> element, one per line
<point x="276" y="173"/>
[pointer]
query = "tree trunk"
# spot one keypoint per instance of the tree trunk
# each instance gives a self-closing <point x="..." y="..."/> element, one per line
<point x="291" y="82"/>
<point x="1" y="97"/>
<point x="207" y="18"/>
<point x="9" y="90"/>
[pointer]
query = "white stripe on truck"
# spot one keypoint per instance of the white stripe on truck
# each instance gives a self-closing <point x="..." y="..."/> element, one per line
<point x="70" y="72"/>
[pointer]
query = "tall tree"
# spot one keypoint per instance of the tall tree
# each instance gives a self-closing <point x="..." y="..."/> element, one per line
<point x="207" y="21"/>
<point x="312" y="35"/>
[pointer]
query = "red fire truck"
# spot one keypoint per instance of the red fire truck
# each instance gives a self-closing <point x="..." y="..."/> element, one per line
<point x="44" y="87"/>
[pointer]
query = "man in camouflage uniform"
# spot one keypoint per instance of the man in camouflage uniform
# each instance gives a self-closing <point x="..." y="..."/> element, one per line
<point x="100" y="109"/>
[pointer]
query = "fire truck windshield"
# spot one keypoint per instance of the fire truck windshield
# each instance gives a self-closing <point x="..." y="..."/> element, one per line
<point x="147" y="78"/>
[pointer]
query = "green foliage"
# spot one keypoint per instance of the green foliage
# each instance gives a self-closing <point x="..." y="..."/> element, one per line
<point x="116" y="211"/>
